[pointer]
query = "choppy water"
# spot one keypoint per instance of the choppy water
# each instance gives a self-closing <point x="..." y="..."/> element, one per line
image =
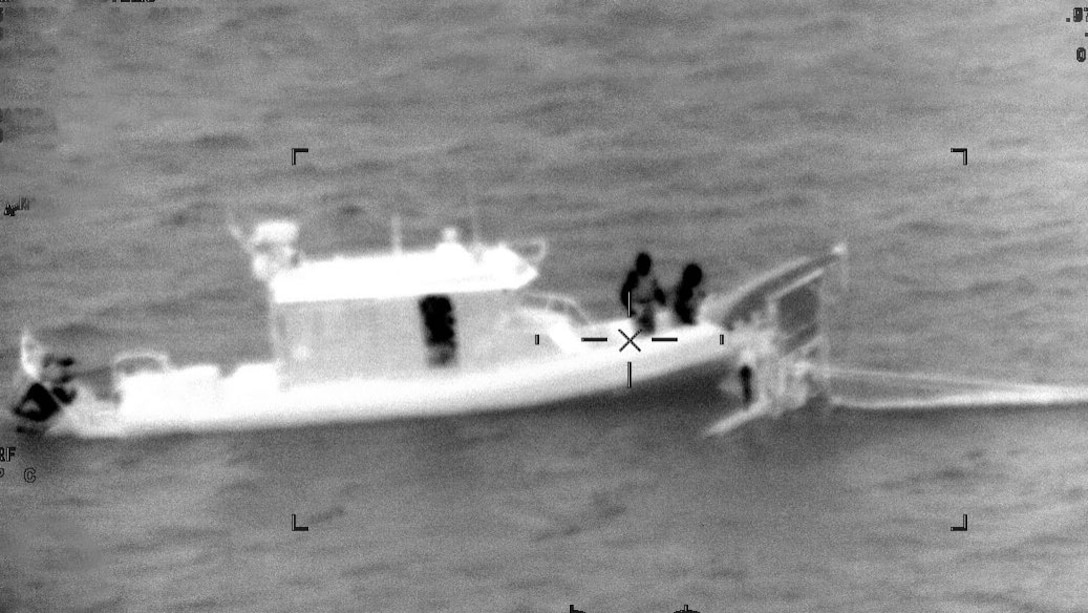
<point x="738" y="134"/>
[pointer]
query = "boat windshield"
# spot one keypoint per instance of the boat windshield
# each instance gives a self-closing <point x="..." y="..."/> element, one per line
<point x="555" y="303"/>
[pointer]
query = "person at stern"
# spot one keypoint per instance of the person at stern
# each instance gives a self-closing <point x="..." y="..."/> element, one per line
<point x="641" y="291"/>
<point x="46" y="397"/>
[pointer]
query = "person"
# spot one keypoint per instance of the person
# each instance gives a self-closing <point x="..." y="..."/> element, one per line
<point x="642" y="287"/>
<point x="439" y="322"/>
<point x="688" y="295"/>
<point x="46" y="397"/>
<point x="746" y="384"/>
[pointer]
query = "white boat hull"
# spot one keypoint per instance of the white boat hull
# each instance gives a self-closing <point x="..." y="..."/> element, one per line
<point x="770" y="325"/>
<point x="196" y="399"/>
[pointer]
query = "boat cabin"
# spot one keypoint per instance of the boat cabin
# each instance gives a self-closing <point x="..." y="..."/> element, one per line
<point x="397" y="314"/>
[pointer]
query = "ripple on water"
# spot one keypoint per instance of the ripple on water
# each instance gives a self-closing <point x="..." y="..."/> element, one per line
<point x="225" y="141"/>
<point x="192" y="214"/>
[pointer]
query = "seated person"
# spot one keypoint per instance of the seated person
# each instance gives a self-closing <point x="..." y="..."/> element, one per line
<point x="439" y="322"/>
<point x="644" y="291"/>
<point x="688" y="295"/>
<point x="45" y="398"/>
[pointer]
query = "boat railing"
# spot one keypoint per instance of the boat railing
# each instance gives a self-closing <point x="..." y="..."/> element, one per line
<point x="129" y="363"/>
<point x="555" y="303"/>
<point x="538" y="247"/>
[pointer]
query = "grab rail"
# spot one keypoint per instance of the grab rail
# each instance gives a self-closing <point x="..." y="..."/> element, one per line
<point x="158" y="358"/>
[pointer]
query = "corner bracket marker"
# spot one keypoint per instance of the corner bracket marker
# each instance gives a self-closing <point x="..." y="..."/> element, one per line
<point x="295" y="150"/>
<point x="296" y="528"/>
<point x="962" y="528"/>
<point x="962" y="150"/>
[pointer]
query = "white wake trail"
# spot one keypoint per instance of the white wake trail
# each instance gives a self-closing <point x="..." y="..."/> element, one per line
<point x="875" y="390"/>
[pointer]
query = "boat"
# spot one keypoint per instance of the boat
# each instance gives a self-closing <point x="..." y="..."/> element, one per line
<point x="455" y="329"/>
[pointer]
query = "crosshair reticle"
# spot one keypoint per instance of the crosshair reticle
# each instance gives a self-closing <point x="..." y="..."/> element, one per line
<point x="630" y="340"/>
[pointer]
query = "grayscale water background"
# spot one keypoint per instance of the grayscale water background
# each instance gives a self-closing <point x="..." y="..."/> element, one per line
<point x="737" y="134"/>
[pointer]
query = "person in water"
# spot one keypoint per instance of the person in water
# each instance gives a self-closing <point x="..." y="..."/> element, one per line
<point x="644" y="291"/>
<point x="688" y="295"/>
<point x="53" y="391"/>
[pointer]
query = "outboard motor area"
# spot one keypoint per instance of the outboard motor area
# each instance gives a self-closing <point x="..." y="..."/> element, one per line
<point x="777" y="325"/>
<point x="766" y="376"/>
<point x="272" y="247"/>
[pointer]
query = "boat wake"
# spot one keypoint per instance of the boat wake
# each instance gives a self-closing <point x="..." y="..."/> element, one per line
<point x="876" y="390"/>
<point x="879" y="391"/>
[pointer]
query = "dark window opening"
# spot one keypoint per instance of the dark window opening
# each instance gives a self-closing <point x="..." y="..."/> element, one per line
<point x="438" y="329"/>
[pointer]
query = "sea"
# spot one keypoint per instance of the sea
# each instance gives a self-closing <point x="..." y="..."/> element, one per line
<point x="737" y="134"/>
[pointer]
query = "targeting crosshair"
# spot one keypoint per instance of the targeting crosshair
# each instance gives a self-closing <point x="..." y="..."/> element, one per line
<point x="629" y="340"/>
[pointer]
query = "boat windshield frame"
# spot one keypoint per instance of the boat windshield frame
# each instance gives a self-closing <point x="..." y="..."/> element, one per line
<point x="554" y="303"/>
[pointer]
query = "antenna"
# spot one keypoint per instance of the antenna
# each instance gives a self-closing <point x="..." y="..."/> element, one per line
<point x="396" y="234"/>
<point x="475" y="226"/>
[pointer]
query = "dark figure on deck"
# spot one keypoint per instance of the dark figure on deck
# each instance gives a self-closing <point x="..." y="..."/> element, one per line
<point x="45" y="398"/>
<point x="644" y="292"/>
<point x="746" y="384"/>
<point x="688" y="295"/>
<point x="438" y="323"/>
